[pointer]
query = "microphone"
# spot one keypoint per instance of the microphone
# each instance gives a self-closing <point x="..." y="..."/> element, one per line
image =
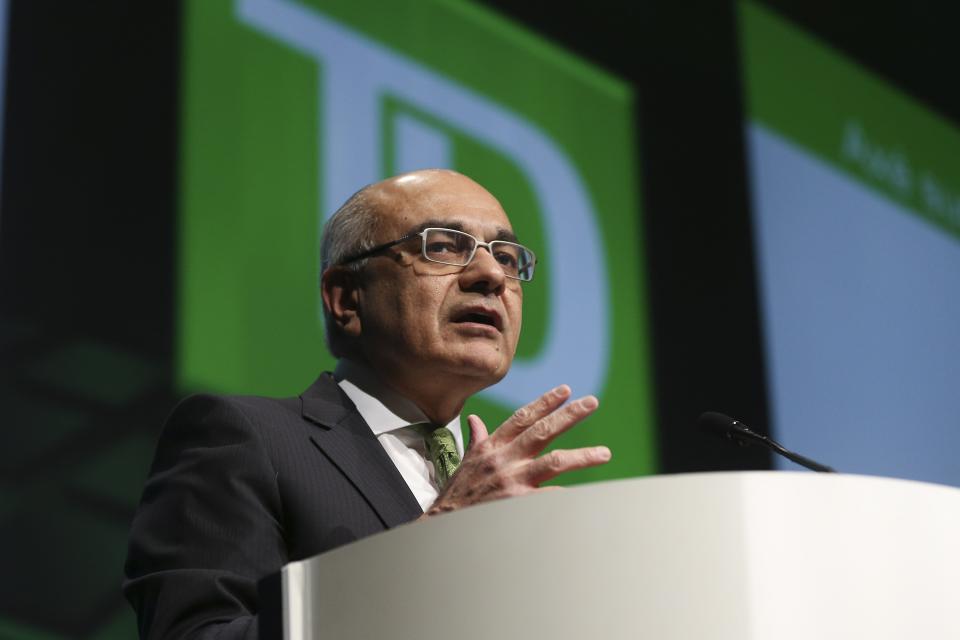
<point x="735" y="431"/>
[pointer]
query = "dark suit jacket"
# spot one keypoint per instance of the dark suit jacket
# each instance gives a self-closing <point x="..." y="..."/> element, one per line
<point x="239" y="487"/>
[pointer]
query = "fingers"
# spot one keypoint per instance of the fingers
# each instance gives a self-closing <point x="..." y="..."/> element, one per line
<point x="504" y="463"/>
<point x="478" y="431"/>
<point x="536" y="438"/>
<point x="558" y="461"/>
<point x="529" y="414"/>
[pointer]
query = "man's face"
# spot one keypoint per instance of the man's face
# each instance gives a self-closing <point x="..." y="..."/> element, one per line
<point x="429" y="324"/>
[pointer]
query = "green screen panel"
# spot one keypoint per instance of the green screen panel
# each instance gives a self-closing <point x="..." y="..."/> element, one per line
<point x="289" y="107"/>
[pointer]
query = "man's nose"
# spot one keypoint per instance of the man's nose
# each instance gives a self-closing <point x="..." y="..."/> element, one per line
<point x="483" y="273"/>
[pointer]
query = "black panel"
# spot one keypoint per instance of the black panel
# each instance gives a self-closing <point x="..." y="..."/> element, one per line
<point x="86" y="301"/>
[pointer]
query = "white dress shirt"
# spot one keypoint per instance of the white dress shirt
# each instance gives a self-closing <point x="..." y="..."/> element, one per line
<point x="390" y="416"/>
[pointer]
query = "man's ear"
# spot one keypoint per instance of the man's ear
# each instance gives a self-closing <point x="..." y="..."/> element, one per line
<point x="340" y="288"/>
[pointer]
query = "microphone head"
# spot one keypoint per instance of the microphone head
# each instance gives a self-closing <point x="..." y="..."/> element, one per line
<point x="717" y="424"/>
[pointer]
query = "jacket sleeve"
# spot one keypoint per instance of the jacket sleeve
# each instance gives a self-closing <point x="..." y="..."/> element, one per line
<point x="208" y="527"/>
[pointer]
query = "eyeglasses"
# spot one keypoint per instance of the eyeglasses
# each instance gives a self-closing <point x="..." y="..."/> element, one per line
<point x="456" y="248"/>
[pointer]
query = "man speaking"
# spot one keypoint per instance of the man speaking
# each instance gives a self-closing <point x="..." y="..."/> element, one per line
<point x="423" y="291"/>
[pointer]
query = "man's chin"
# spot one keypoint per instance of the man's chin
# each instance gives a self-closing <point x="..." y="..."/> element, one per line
<point x="486" y="366"/>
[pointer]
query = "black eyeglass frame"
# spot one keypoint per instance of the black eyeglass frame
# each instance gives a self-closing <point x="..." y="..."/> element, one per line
<point x="423" y="250"/>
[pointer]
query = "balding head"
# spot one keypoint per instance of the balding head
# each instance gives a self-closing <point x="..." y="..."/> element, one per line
<point x="355" y="226"/>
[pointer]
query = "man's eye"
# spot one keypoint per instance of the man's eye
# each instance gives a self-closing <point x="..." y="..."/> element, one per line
<point x="506" y="259"/>
<point x="440" y="248"/>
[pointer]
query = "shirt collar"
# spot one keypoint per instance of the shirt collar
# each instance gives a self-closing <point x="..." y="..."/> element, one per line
<point x="382" y="408"/>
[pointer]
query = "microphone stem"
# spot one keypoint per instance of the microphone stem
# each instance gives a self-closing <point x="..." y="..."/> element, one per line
<point x="736" y="431"/>
<point x="796" y="457"/>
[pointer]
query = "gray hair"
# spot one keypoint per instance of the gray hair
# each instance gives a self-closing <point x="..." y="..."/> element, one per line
<point x="350" y="230"/>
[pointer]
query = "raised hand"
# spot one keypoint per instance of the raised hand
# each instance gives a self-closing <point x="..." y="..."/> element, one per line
<point x="506" y="463"/>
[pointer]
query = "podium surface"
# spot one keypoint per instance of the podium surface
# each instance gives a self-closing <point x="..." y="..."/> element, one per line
<point x="752" y="555"/>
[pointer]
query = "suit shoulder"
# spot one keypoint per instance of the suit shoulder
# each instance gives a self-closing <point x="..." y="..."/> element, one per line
<point x="253" y="410"/>
<point x="208" y="417"/>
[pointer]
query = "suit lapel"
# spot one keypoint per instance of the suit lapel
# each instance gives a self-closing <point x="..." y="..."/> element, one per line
<point x="346" y="439"/>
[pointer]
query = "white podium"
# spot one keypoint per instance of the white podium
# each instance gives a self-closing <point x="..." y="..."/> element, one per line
<point x="742" y="556"/>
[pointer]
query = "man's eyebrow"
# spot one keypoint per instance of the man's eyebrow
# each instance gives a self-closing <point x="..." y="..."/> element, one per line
<point x="503" y="233"/>
<point x="442" y="224"/>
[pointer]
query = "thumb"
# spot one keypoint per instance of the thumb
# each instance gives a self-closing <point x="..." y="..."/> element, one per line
<point x="478" y="431"/>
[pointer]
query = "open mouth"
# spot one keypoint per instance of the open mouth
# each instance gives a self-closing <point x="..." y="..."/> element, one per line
<point x="479" y="316"/>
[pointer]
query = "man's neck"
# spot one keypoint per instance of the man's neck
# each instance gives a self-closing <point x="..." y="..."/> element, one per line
<point x="440" y="406"/>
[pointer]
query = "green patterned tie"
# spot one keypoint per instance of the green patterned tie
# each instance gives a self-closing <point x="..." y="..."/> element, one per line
<point x="442" y="449"/>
